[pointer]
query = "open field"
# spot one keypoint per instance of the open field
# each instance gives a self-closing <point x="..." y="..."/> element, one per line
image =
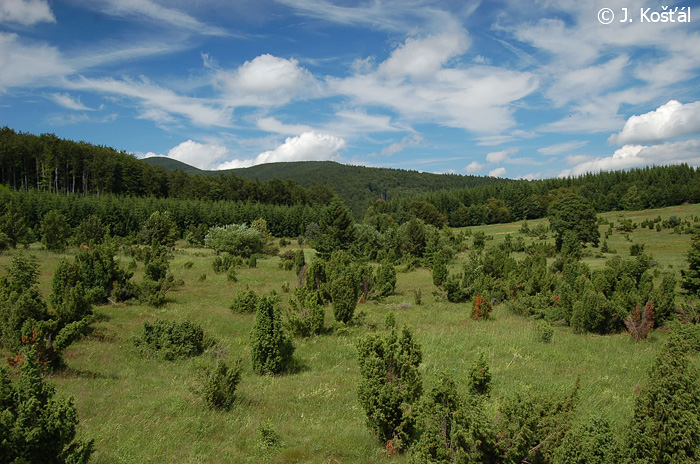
<point x="143" y="410"/>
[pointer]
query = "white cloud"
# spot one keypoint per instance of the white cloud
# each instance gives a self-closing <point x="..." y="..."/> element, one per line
<point x="674" y="119"/>
<point x="309" y="146"/>
<point x="409" y="141"/>
<point x="26" y="12"/>
<point x="66" y="101"/>
<point x="560" y="148"/>
<point x="498" y="172"/>
<point x="422" y="57"/>
<point x="274" y="125"/>
<point x="474" y="166"/>
<point x="199" y="155"/>
<point x="147" y="9"/>
<point x="633" y="156"/>
<point x="500" y="156"/>
<point x="151" y="96"/>
<point x="475" y="98"/>
<point x="531" y="176"/>
<point x="581" y="83"/>
<point x="357" y="121"/>
<point x="266" y="81"/>
<point x="26" y="65"/>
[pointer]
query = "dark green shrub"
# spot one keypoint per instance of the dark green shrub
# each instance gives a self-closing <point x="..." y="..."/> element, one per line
<point x="439" y="270"/>
<point x="595" y="313"/>
<point x="99" y="274"/>
<point x="223" y="262"/>
<point x="666" y="424"/>
<point x="480" y="376"/>
<point x="91" y="231"/>
<point x="272" y="348"/>
<point x="159" y="230"/>
<point x="172" y="340"/>
<point x="390" y="385"/>
<point x="390" y="320"/>
<point x="591" y="443"/>
<point x="220" y="385"/>
<point x="299" y="261"/>
<point x="344" y="295"/>
<point x="245" y="301"/>
<point x="455" y="292"/>
<point x="195" y="234"/>
<point x="287" y="260"/>
<point x="36" y="427"/>
<point x="305" y="315"/>
<point x="453" y="429"/>
<point x="532" y="427"/>
<point x="478" y="240"/>
<point x="268" y="436"/>
<point x="316" y="275"/>
<point x="544" y="331"/>
<point x="231" y="275"/>
<point x="417" y="296"/>
<point x="253" y="261"/>
<point x="54" y="231"/>
<point x="385" y="279"/>
<point x="636" y="249"/>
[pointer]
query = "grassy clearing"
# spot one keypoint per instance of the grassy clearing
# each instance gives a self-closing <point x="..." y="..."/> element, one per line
<point x="150" y="411"/>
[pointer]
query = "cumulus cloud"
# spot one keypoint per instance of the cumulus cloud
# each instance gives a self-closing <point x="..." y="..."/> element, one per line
<point x="474" y="166"/>
<point x="26" y="12"/>
<point x="409" y="141"/>
<point x="674" y="119"/>
<point x="422" y="57"/>
<point x="266" y="81"/>
<point x="633" y="156"/>
<point x="498" y="172"/>
<point x="309" y="146"/>
<point x="66" y="101"/>
<point x="199" y="155"/>
<point x="560" y="148"/>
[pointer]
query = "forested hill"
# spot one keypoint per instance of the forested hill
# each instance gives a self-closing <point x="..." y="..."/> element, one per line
<point x="357" y="186"/>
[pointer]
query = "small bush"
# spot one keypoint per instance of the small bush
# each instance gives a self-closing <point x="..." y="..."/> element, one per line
<point x="385" y="279"/>
<point x="481" y="309"/>
<point x="417" y="296"/>
<point x="640" y="323"/>
<point x="253" y="261"/>
<point x="231" y="274"/>
<point x="544" y="331"/>
<point x="590" y="443"/>
<point x="173" y="340"/>
<point x="480" y="376"/>
<point x="305" y="315"/>
<point x="268" y="436"/>
<point x="636" y="249"/>
<point x="390" y="320"/>
<point x="220" y="386"/>
<point x="299" y="261"/>
<point x="245" y="301"/>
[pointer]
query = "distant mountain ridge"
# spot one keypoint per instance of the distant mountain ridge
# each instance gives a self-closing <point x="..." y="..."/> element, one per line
<point x="356" y="185"/>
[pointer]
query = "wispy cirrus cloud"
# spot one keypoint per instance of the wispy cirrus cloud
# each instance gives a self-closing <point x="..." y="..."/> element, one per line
<point x="66" y="101"/>
<point x="153" y="11"/>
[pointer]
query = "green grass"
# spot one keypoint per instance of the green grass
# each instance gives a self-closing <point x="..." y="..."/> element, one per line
<point x="150" y="411"/>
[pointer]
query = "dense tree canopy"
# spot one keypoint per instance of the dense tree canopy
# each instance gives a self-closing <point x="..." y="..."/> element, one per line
<point x="574" y="214"/>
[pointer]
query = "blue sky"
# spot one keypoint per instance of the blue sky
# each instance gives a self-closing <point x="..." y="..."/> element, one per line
<point x="504" y="88"/>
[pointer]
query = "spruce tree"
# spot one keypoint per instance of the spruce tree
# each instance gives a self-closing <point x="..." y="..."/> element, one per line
<point x="439" y="270"/>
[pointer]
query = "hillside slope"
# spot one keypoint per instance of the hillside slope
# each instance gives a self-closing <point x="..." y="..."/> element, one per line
<point x="356" y="185"/>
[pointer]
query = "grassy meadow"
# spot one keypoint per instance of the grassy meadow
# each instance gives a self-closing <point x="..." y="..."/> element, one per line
<point x="145" y="410"/>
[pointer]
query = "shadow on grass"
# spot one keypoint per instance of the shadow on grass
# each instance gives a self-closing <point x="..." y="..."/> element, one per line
<point x="70" y="372"/>
<point x="297" y="366"/>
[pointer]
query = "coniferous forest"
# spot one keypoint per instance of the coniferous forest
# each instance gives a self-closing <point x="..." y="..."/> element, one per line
<point x="150" y="314"/>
